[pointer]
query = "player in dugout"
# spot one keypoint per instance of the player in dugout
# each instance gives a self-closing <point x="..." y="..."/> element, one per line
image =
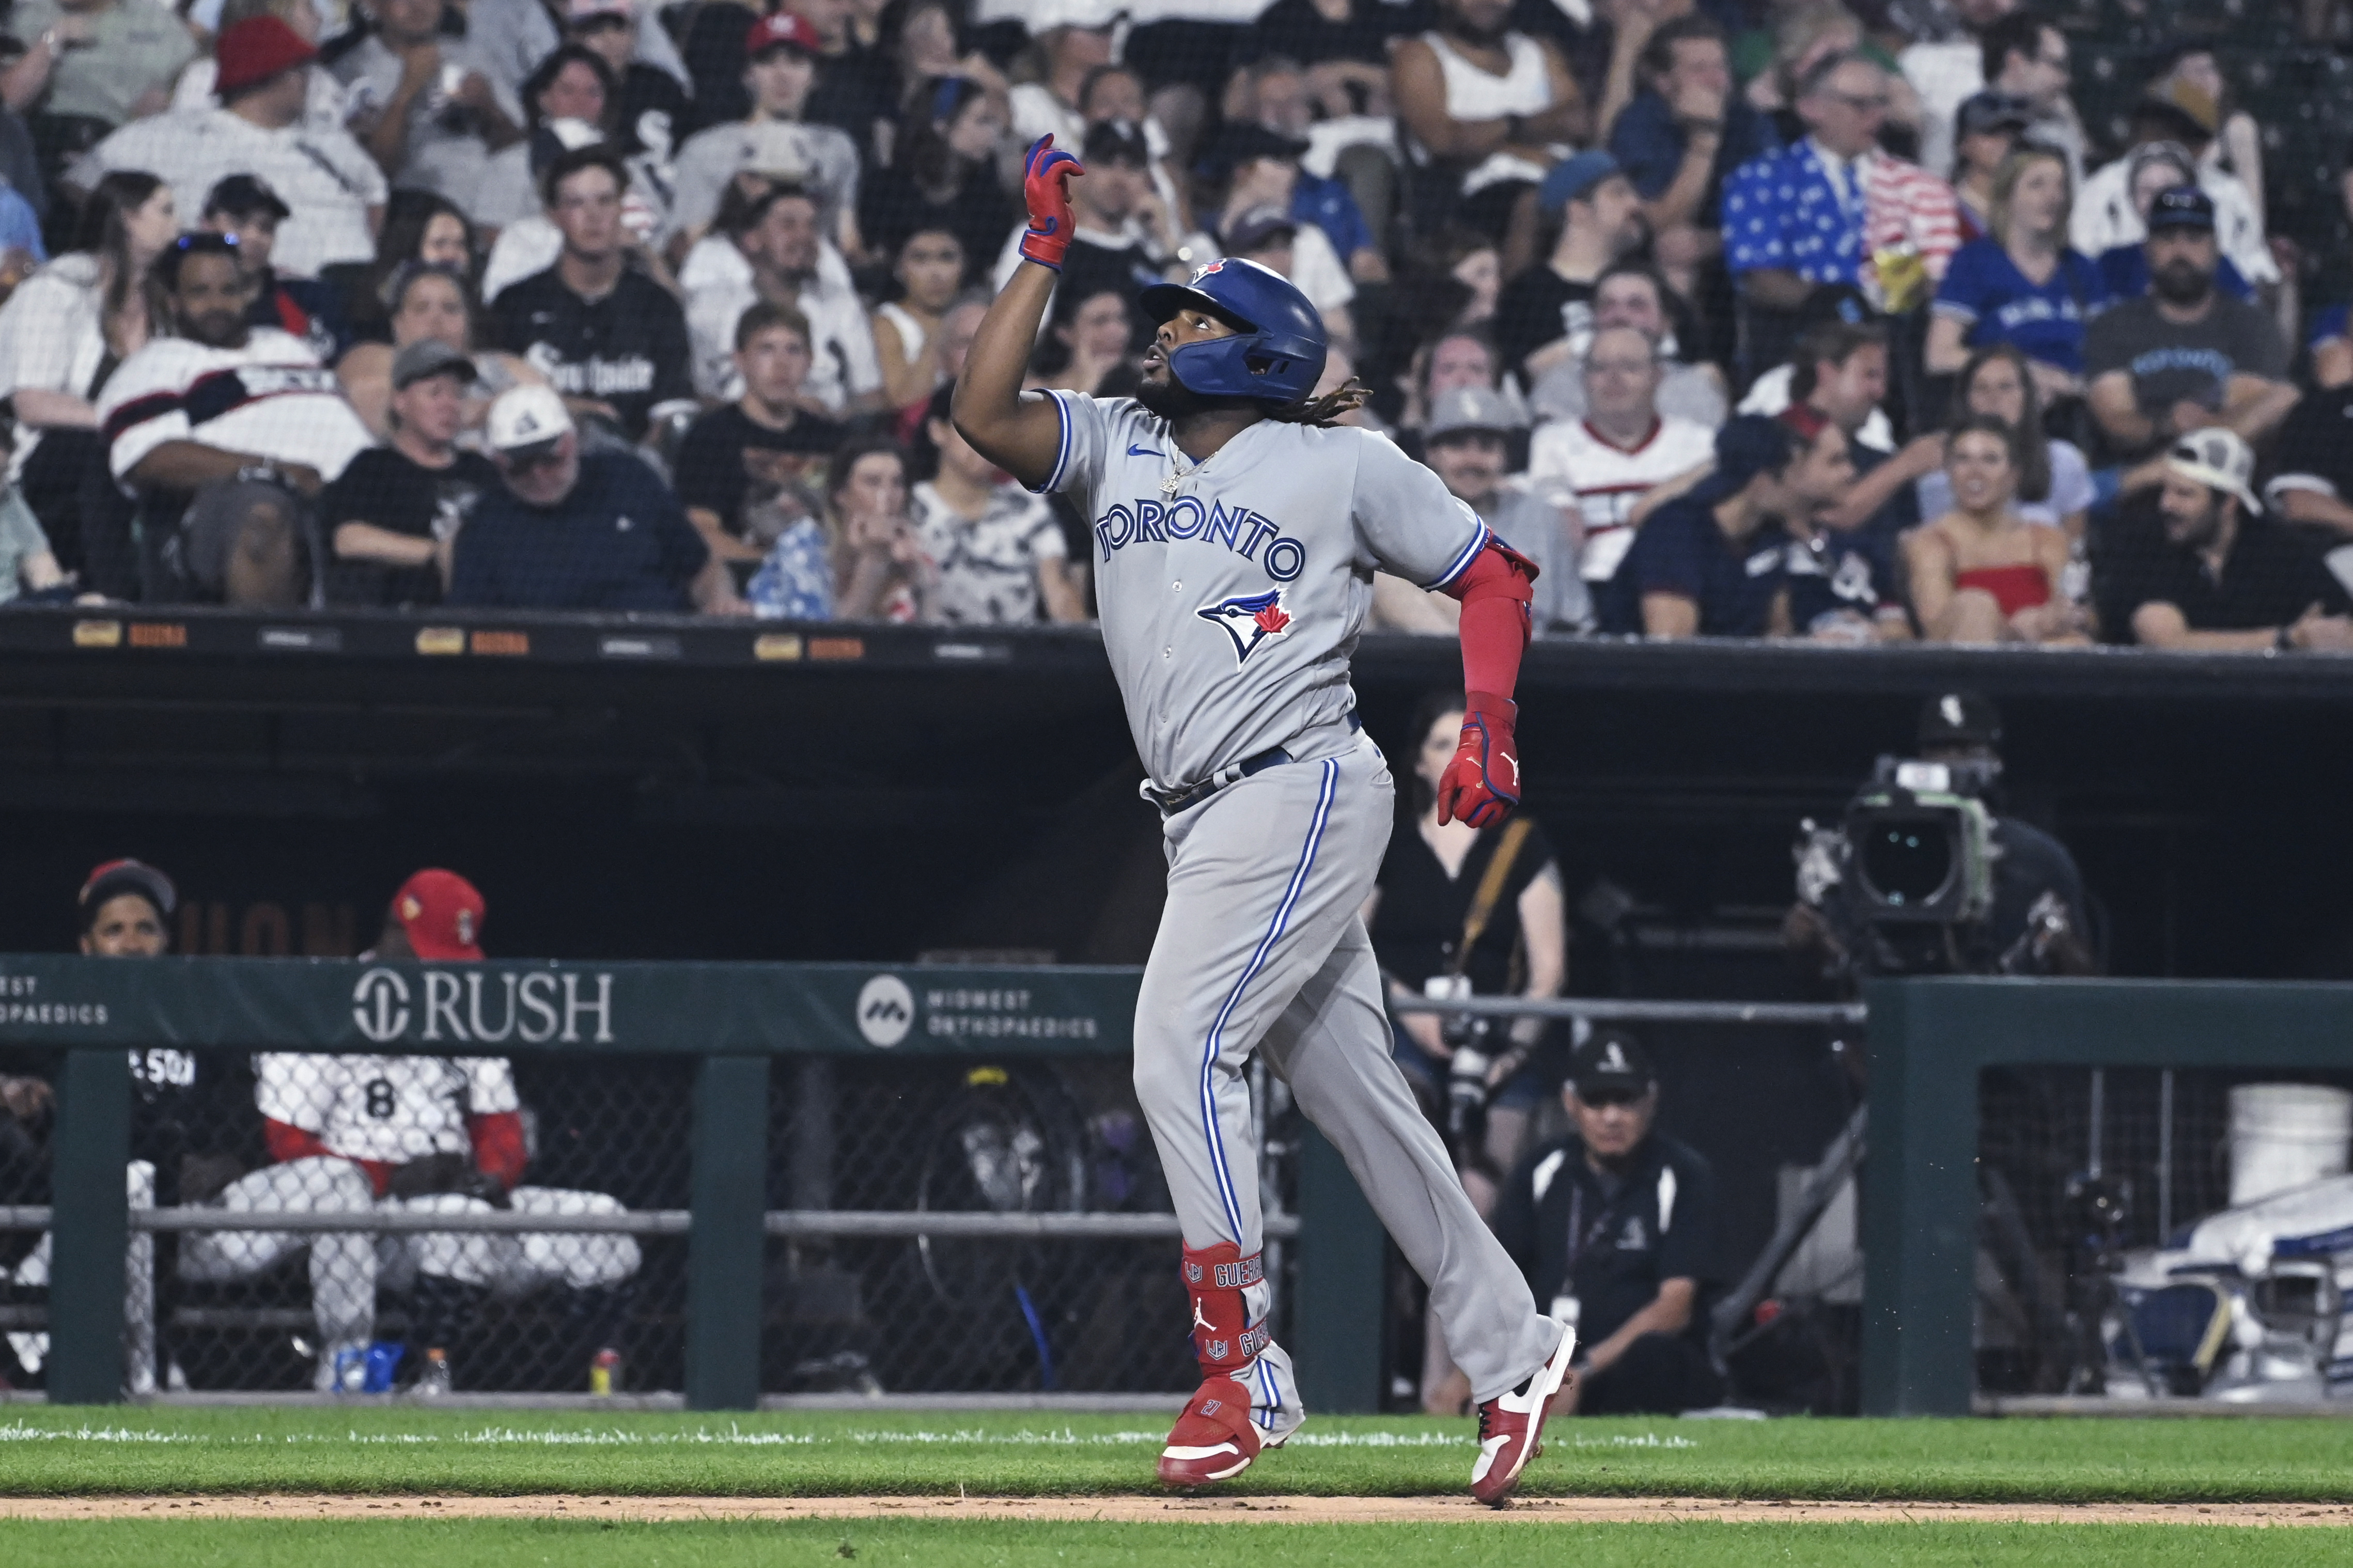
<point x="1235" y="528"/>
<point x="1615" y="1225"/>
<point x="413" y="1134"/>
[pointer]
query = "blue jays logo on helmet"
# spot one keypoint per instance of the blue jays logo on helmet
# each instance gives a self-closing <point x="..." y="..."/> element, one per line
<point x="1249" y="619"/>
<point x="1279" y="346"/>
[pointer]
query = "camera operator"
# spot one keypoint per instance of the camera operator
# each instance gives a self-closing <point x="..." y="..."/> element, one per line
<point x="1616" y="1227"/>
<point x="1460" y="910"/>
<point x="1995" y="895"/>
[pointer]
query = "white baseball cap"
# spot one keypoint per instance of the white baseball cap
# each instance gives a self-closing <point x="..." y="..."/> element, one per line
<point x="2219" y="460"/>
<point x="528" y="416"/>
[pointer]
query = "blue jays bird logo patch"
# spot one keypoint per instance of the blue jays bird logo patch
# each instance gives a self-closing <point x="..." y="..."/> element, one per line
<point x="1249" y="619"/>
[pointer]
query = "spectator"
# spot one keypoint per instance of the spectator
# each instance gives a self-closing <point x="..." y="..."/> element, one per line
<point x="2021" y="284"/>
<point x="997" y="548"/>
<point x="90" y="66"/>
<point x="1601" y="466"/>
<point x="2106" y="213"/>
<point x="1489" y="109"/>
<point x="2054" y="482"/>
<point x="768" y="248"/>
<point x="607" y="337"/>
<point x="1827" y="209"/>
<point x="1680" y="137"/>
<point x="2151" y="170"/>
<point x="334" y="187"/>
<point x="1841" y="374"/>
<point x="1988" y="129"/>
<point x="571" y="92"/>
<point x="648" y="105"/>
<point x="2027" y="59"/>
<point x="1116" y="93"/>
<point x="1713" y="563"/>
<point x="1260" y="167"/>
<point x="1052" y="105"/>
<point x="1341" y="47"/>
<point x="429" y="109"/>
<point x="28" y="567"/>
<point x="2194" y="79"/>
<point x="1545" y="316"/>
<point x="863" y="561"/>
<point x="925" y="43"/>
<point x="2215" y="575"/>
<point x="574" y="531"/>
<point x="244" y="207"/>
<point x="743" y="467"/>
<point x="941" y="175"/>
<point x="197" y="412"/>
<point x="394" y="515"/>
<point x="410" y="1134"/>
<point x="63" y="331"/>
<point x="1468" y="443"/>
<point x="428" y="301"/>
<point x="2311" y="470"/>
<point x="1841" y="584"/>
<point x="1270" y="236"/>
<point x="417" y="229"/>
<point x="1463" y="357"/>
<point x="1351" y="205"/>
<point x="1090" y="344"/>
<point x="1461" y="910"/>
<point x="1633" y="295"/>
<point x="533" y="244"/>
<point x="1981" y="573"/>
<point x="780" y="53"/>
<point x="323" y="107"/>
<point x="1621" y="1219"/>
<point x="1108" y="249"/>
<point x="929" y="271"/>
<point x="2186" y="356"/>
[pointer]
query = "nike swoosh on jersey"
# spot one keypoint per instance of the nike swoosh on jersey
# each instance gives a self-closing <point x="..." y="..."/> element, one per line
<point x="1145" y="452"/>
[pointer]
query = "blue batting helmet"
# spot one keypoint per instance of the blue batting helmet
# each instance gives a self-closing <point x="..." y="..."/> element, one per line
<point x="1276" y="353"/>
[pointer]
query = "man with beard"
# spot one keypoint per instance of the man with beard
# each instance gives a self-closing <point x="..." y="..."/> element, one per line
<point x="243" y="419"/>
<point x="2187" y="356"/>
<point x="1235" y="526"/>
<point x="2215" y="575"/>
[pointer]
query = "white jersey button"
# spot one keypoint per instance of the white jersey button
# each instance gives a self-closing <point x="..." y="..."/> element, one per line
<point x="1167" y="653"/>
<point x="1175" y="588"/>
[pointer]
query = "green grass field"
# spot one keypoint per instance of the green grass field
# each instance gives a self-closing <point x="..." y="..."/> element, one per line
<point x="394" y="1449"/>
<point x="498" y="1544"/>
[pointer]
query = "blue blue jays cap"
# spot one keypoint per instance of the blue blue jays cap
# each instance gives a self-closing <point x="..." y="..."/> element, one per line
<point x="1573" y="179"/>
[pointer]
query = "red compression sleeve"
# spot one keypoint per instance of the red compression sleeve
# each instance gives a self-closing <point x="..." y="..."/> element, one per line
<point x="498" y="1146"/>
<point x="1495" y="589"/>
<point x="287" y="1142"/>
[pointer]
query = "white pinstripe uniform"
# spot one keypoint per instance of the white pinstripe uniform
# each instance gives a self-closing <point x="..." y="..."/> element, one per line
<point x="1232" y="593"/>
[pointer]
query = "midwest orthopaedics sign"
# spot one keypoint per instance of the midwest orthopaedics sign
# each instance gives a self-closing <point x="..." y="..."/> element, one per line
<point x="544" y="1007"/>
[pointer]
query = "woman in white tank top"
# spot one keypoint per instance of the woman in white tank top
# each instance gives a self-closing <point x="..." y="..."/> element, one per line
<point x="1507" y="123"/>
<point x="930" y="269"/>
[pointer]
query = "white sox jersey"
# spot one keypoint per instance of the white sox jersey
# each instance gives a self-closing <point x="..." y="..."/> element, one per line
<point x="1575" y="466"/>
<point x="389" y="1109"/>
<point x="1232" y="591"/>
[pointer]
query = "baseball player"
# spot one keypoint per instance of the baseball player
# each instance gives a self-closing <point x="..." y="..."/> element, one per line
<point x="1234" y="531"/>
<point x="430" y="1135"/>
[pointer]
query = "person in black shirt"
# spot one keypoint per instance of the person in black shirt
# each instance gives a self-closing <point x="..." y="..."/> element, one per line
<point x="611" y="339"/>
<point x="2312" y="471"/>
<point x="650" y="108"/>
<point x="568" y="530"/>
<point x="392" y="515"/>
<point x="244" y="208"/>
<point x="942" y="176"/>
<point x="1545" y="316"/>
<point x="2214" y="574"/>
<point x="1615" y="1226"/>
<point x="741" y="470"/>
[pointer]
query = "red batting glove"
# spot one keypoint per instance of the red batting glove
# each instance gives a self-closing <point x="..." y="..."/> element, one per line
<point x="1482" y="784"/>
<point x="1046" y="186"/>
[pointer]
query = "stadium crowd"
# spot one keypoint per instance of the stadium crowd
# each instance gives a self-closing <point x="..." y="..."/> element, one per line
<point x="1744" y="318"/>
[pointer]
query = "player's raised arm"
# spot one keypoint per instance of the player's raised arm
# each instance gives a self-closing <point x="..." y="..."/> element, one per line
<point x="1482" y="784"/>
<point x="1021" y="436"/>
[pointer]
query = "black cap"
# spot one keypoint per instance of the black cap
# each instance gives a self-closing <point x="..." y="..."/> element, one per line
<point x="1958" y="719"/>
<point x="1828" y="302"/>
<point x="2183" y="206"/>
<point x="1610" y="1059"/>
<point x="242" y="196"/>
<point x="116" y="877"/>
<point x="1983" y="111"/>
<point x="1243" y="140"/>
<point x="1117" y="140"/>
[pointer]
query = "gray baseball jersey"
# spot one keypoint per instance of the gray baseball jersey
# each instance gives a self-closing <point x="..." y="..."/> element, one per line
<point x="1232" y="591"/>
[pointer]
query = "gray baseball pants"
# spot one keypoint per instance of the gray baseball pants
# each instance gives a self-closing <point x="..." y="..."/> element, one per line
<point x="1260" y="945"/>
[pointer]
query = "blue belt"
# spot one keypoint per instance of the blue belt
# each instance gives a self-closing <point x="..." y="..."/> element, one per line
<point x="1173" y="801"/>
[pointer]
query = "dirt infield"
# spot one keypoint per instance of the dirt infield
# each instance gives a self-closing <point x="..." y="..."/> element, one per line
<point x="1184" y="1510"/>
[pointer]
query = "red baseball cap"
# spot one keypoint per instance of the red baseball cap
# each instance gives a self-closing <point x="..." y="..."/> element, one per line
<point x="442" y="913"/>
<point x="255" y="50"/>
<point x="781" y="30"/>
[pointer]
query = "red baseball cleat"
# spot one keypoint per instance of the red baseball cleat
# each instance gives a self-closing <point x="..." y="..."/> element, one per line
<point x="1213" y="1440"/>
<point x="1511" y="1427"/>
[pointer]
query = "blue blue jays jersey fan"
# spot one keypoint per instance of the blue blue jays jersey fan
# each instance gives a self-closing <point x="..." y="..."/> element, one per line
<point x="1232" y="591"/>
